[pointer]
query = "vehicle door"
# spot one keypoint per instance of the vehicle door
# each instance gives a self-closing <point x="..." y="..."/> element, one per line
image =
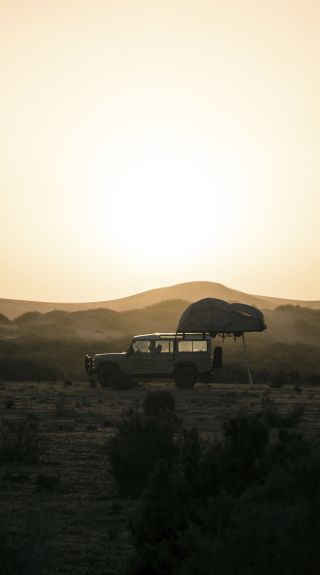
<point x="163" y="357"/>
<point x="139" y="359"/>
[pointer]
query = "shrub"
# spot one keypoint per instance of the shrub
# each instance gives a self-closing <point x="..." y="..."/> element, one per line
<point x="313" y="378"/>
<point x="60" y="405"/>
<point x="159" y="403"/>
<point x="249" y="504"/>
<point x="67" y="383"/>
<point x="140" y="443"/>
<point x="19" y="439"/>
<point x="19" y="553"/>
<point x="8" y="403"/>
<point x="142" y="440"/>
<point x="24" y="369"/>
<point x="48" y="481"/>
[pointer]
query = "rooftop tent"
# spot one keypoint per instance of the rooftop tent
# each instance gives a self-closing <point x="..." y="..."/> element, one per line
<point x="218" y="316"/>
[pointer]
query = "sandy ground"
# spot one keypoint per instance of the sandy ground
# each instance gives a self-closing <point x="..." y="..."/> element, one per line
<point x="65" y="505"/>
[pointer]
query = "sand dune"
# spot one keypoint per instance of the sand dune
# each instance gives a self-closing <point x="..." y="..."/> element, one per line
<point x="190" y="291"/>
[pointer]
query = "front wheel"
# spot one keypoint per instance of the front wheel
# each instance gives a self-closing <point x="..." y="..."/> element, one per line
<point x="111" y="376"/>
<point x="185" y="377"/>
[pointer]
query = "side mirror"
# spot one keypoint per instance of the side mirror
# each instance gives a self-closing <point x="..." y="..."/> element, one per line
<point x="129" y="350"/>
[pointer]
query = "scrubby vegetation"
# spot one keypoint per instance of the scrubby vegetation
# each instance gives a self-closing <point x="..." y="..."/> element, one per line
<point x="46" y="359"/>
<point x="142" y="441"/>
<point x="51" y="346"/>
<point x="200" y="487"/>
<point x="19" y="439"/>
<point x="39" y="359"/>
<point x="248" y="503"/>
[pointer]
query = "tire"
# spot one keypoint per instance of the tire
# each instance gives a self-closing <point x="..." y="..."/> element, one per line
<point x="111" y="376"/>
<point x="108" y="375"/>
<point x="185" y="377"/>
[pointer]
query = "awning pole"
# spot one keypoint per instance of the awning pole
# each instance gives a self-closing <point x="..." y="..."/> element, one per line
<point x="247" y="360"/>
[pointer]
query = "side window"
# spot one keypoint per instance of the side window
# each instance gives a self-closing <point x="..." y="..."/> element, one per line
<point x="185" y="345"/>
<point x="201" y="345"/>
<point x="163" y="346"/>
<point x="141" y="346"/>
<point x="193" y="346"/>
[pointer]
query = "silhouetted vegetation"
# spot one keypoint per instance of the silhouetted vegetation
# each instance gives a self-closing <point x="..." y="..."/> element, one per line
<point x="159" y="404"/>
<point x="51" y="346"/>
<point x="19" y="439"/>
<point x="142" y="441"/>
<point x="46" y="359"/>
<point x="246" y="504"/>
<point x="20" y="549"/>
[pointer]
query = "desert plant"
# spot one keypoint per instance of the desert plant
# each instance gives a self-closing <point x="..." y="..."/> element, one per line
<point x="249" y="504"/>
<point x="136" y="449"/>
<point x="159" y="403"/>
<point x="60" y="405"/>
<point x="20" y="549"/>
<point x="19" y="439"/>
<point x="8" y="403"/>
<point x="141" y="441"/>
<point x="67" y="383"/>
<point x="313" y="378"/>
<point x="48" y="481"/>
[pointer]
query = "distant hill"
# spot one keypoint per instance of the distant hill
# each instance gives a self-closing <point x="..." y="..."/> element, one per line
<point x="289" y="324"/>
<point x="188" y="292"/>
<point x="52" y="345"/>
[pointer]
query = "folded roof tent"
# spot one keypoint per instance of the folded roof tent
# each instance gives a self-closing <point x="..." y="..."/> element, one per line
<point x="216" y="316"/>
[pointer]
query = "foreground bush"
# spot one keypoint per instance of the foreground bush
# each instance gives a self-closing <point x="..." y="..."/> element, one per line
<point x="159" y="404"/>
<point x="19" y="552"/>
<point x="248" y="504"/>
<point x="142" y="441"/>
<point x="19" y="439"/>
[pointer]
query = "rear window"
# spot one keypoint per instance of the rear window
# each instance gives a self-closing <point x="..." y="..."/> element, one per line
<point x="193" y="346"/>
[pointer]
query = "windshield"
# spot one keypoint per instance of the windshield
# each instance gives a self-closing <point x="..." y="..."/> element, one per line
<point x="141" y="346"/>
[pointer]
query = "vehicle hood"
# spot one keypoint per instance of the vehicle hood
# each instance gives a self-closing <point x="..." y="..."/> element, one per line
<point x="99" y="356"/>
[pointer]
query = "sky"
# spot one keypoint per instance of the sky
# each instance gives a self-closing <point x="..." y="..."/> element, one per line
<point x="145" y="143"/>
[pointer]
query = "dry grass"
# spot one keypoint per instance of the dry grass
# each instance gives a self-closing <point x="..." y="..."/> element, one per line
<point x="67" y="497"/>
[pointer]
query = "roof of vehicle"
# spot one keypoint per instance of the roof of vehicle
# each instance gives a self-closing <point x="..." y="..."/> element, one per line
<point x="187" y="336"/>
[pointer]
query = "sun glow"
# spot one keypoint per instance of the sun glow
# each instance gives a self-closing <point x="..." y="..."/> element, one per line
<point x="170" y="205"/>
<point x="148" y="143"/>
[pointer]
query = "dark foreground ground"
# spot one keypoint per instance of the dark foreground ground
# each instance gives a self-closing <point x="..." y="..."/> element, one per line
<point x="63" y="506"/>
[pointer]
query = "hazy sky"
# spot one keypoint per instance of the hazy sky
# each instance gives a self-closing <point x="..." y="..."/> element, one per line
<point x="146" y="143"/>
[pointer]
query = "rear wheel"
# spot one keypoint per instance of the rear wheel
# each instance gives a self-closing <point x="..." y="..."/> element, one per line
<point x="185" y="377"/>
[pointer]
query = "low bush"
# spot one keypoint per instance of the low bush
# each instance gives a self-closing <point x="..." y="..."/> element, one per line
<point x="159" y="403"/>
<point x="8" y="403"/>
<point x="139" y="444"/>
<point x="19" y="554"/>
<point x="247" y="504"/>
<point x="60" y="405"/>
<point x="19" y="439"/>
<point x="24" y="369"/>
<point x="48" y="481"/>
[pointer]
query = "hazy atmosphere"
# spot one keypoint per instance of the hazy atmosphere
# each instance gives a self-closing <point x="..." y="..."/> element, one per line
<point x="148" y="143"/>
<point x="160" y="287"/>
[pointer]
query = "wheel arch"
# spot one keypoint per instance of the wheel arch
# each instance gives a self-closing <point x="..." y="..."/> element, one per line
<point x="106" y="363"/>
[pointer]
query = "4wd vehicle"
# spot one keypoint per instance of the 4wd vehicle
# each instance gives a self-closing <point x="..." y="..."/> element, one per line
<point x="183" y="357"/>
